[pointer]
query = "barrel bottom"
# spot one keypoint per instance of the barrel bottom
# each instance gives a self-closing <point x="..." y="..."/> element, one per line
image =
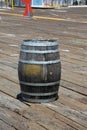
<point x="37" y="99"/>
<point x="39" y="94"/>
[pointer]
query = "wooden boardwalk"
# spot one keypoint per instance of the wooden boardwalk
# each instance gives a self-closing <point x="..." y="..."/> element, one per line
<point x="69" y="112"/>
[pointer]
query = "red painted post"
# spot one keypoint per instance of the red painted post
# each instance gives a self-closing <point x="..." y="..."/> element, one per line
<point x="28" y="8"/>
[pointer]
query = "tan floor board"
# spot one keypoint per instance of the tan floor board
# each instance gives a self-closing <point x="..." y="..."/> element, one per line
<point x="73" y="95"/>
<point x="18" y="121"/>
<point x="4" y="126"/>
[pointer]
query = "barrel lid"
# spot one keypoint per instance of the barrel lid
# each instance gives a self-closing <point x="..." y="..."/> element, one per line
<point x="40" y="42"/>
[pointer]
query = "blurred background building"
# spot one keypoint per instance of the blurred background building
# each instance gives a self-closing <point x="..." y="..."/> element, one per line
<point x="42" y="3"/>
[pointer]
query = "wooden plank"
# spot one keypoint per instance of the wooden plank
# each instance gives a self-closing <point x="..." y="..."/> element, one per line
<point x="74" y="78"/>
<point x="72" y="103"/>
<point x="9" y="48"/>
<point x="72" y="57"/>
<point x="74" y="48"/>
<point x="73" y="95"/>
<point x="74" y="87"/>
<point x="71" y="114"/>
<point x="13" y="104"/>
<point x="9" y="74"/>
<point x="9" y="87"/>
<point x="4" y="126"/>
<point x="75" y="68"/>
<point x="18" y="121"/>
<point x="71" y="53"/>
<point x="12" y="58"/>
<point x="79" y="57"/>
<point x="10" y="68"/>
<point x="5" y="56"/>
<point x="53" y="115"/>
<point x="73" y="71"/>
<point x="8" y="63"/>
<point x="69" y="122"/>
<point x="45" y="117"/>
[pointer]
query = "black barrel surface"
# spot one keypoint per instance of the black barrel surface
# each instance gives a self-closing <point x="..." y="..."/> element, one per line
<point x="39" y="70"/>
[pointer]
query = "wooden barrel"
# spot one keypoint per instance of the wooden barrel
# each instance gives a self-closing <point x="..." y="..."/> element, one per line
<point x="39" y="70"/>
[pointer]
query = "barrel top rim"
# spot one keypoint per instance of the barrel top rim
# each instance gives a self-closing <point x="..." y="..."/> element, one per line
<point x="40" y="42"/>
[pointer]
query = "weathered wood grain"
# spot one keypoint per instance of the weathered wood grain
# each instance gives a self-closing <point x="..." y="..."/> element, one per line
<point x="4" y="126"/>
<point x="73" y="95"/>
<point x="74" y="87"/>
<point x="70" y="113"/>
<point x="17" y="121"/>
<point x="9" y="102"/>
